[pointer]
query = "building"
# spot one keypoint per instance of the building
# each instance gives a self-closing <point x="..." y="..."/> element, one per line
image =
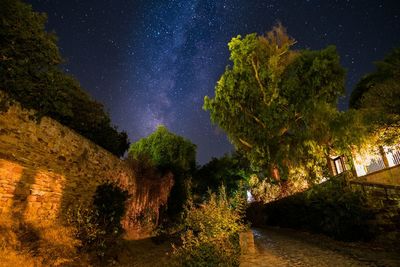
<point x="377" y="165"/>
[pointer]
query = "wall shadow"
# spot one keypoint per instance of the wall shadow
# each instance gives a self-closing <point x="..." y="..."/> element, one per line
<point x="26" y="233"/>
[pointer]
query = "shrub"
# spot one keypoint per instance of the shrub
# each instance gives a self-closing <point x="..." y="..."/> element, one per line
<point x="211" y="237"/>
<point x="109" y="202"/>
<point x="332" y="208"/>
<point x="98" y="227"/>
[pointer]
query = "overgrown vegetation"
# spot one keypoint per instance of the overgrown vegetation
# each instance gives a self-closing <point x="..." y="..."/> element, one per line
<point x="90" y="236"/>
<point x="30" y="73"/>
<point x="168" y="152"/>
<point x="99" y="227"/>
<point x="22" y="244"/>
<point x="265" y="191"/>
<point x="377" y="98"/>
<point x="332" y="208"/>
<point x="211" y="236"/>
<point x="230" y="171"/>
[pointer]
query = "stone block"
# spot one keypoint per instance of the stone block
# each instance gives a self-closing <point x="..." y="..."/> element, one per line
<point x="34" y="204"/>
<point x="393" y="194"/>
<point x="37" y="192"/>
<point x="47" y="206"/>
<point x="31" y="198"/>
<point x="246" y="241"/>
<point x="6" y="195"/>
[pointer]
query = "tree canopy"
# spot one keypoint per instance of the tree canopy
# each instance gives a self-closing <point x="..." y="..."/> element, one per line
<point x="377" y="97"/>
<point x="30" y="73"/>
<point x="166" y="150"/>
<point x="387" y="71"/>
<point x="277" y="104"/>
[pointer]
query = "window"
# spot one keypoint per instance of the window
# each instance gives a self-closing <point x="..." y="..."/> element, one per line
<point x="338" y="165"/>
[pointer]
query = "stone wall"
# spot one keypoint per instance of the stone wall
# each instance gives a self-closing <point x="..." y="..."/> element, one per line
<point x="47" y="169"/>
<point x="382" y="192"/>
<point x="384" y="204"/>
<point x="341" y="207"/>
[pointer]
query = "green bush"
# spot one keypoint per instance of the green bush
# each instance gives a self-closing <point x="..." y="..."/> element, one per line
<point x="230" y="170"/>
<point x="212" y="234"/>
<point x="332" y="208"/>
<point x="98" y="227"/>
<point x="109" y="202"/>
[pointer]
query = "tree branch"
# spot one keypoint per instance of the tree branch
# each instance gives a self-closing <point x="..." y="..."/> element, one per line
<point x="252" y="116"/>
<point x="245" y="143"/>
<point x="256" y="65"/>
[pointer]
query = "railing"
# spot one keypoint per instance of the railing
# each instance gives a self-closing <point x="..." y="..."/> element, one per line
<point x="376" y="164"/>
<point x="393" y="155"/>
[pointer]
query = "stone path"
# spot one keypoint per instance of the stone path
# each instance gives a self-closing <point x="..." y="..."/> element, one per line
<point x="283" y="247"/>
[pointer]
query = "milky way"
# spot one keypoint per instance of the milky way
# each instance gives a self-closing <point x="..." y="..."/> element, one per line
<point x="152" y="62"/>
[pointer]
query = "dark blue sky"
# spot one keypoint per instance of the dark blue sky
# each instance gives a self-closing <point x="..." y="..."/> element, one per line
<point x="152" y="62"/>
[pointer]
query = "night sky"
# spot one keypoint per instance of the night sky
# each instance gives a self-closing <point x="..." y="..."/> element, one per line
<point x="152" y="62"/>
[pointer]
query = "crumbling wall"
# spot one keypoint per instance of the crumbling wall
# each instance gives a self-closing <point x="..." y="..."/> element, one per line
<point x="47" y="168"/>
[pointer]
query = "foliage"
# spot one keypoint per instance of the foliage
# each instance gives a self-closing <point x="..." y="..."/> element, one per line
<point x="332" y="208"/>
<point x="109" y="201"/>
<point x="278" y="105"/>
<point x="168" y="151"/>
<point x="212" y="232"/>
<point x="386" y="70"/>
<point x="99" y="227"/>
<point x="268" y="191"/>
<point x="377" y="98"/>
<point x="88" y="229"/>
<point x="30" y="74"/>
<point x="229" y="170"/>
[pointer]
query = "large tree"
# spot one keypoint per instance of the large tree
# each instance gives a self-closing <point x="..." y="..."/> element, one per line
<point x="278" y="105"/>
<point x="30" y="73"/>
<point x="387" y="71"/>
<point x="377" y="97"/>
<point x="169" y="152"/>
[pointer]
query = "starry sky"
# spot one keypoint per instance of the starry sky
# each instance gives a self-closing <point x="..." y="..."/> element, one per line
<point x="152" y="62"/>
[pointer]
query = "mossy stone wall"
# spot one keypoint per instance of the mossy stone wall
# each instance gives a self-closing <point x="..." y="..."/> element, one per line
<point x="384" y="204"/>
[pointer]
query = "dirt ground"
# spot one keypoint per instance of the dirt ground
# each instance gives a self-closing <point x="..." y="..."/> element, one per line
<point x="144" y="253"/>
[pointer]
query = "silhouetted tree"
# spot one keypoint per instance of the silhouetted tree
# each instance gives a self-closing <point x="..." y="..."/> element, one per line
<point x="377" y="97"/>
<point x="30" y="74"/>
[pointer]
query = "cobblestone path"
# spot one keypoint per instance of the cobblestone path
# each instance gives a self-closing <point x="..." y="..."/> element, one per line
<point x="283" y="247"/>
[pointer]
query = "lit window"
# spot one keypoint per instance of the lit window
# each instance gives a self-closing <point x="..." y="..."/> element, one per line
<point x="338" y="165"/>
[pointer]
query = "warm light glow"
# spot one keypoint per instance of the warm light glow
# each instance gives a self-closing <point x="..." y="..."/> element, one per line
<point x="249" y="197"/>
<point x="392" y="155"/>
<point x="371" y="160"/>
